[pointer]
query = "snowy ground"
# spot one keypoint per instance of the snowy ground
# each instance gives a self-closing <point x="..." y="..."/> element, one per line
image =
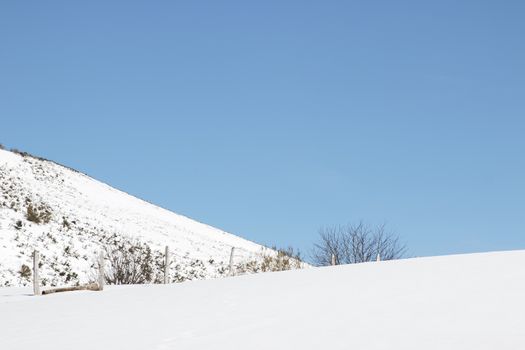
<point x="462" y="302"/>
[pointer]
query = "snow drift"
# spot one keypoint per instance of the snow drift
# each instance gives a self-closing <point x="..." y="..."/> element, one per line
<point x="452" y="302"/>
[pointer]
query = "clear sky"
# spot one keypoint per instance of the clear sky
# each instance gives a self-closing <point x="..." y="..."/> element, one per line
<point x="270" y="119"/>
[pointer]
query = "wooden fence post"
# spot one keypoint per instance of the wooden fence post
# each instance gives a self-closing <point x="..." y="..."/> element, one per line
<point x="101" y="271"/>
<point x="166" y="265"/>
<point x="231" y="261"/>
<point x="333" y="259"/>
<point x="36" y="275"/>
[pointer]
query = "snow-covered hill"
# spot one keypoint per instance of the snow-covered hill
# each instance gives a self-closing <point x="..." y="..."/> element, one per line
<point x="452" y="302"/>
<point x="84" y="214"/>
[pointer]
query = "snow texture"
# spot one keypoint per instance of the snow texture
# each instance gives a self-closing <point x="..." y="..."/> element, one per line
<point x="452" y="302"/>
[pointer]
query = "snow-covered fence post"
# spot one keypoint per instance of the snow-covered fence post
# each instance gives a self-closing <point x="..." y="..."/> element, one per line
<point x="36" y="275"/>
<point x="101" y="271"/>
<point x="333" y="259"/>
<point x="166" y="265"/>
<point x="378" y="257"/>
<point x="231" y="261"/>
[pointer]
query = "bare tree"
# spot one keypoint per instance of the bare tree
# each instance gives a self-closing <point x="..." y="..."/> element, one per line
<point x="352" y="244"/>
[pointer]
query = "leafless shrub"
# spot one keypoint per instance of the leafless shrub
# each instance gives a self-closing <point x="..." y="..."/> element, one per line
<point x="27" y="154"/>
<point x="355" y="244"/>
<point x="277" y="260"/>
<point x="38" y="214"/>
<point x="129" y="262"/>
<point x="17" y="151"/>
<point x="25" y="272"/>
<point x="285" y="259"/>
<point x="65" y="223"/>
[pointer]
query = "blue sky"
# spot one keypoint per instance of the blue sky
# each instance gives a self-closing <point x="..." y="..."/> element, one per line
<point x="271" y="119"/>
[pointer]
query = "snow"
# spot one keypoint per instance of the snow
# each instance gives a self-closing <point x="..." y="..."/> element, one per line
<point x="85" y="215"/>
<point x="452" y="302"/>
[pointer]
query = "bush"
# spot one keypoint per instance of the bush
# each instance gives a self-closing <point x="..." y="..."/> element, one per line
<point x="283" y="261"/>
<point x="278" y="260"/>
<point x="65" y="223"/>
<point x="129" y="262"/>
<point x="38" y="214"/>
<point x="25" y="272"/>
<point x="2" y="146"/>
<point x="17" y="151"/>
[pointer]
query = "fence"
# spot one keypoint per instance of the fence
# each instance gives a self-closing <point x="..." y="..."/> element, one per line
<point x="99" y="286"/>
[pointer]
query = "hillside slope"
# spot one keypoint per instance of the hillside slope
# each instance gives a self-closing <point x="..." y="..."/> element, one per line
<point x="452" y="302"/>
<point x="85" y="214"/>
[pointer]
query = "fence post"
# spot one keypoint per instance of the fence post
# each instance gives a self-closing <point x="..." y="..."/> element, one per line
<point x="378" y="257"/>
<point x="231" y="261"/>
<point x="101" y="271"/>
<point x="166" y="265"/>
<point x="333" y="259"/>
<point x="36" y="275"/>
